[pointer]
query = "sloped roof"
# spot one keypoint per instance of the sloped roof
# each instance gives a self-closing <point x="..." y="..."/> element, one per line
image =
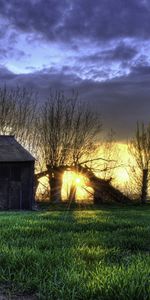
<point x="11" y="150"/>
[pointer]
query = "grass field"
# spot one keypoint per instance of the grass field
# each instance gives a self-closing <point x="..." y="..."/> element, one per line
<point x="88" y="254"/>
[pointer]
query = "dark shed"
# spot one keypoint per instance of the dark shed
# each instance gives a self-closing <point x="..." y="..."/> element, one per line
<point x="16" y="175"/>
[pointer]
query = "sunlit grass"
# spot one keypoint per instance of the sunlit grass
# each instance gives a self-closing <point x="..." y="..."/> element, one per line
<point x="93" y="254"/>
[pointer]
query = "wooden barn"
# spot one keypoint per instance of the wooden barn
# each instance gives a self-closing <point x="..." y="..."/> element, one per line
<point x="16" y="175"/>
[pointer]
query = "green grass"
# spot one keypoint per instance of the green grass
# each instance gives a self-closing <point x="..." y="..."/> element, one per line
<point x="87" y="254"/>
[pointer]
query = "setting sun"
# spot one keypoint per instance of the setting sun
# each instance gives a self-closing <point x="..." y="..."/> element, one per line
<point x="79" y="182"/>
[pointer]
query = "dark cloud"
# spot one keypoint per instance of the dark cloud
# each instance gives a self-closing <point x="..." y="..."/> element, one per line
<point x="120" y="102"/>
<point x="3" y="53"/>
<point x="11" y="52"/>
<point x="112" y="74"/>
<point x="121" y="52"/>
<point x="6" y="76"/>
<point x="33" y="16"/>
<point x="3" y="31"/>
<point x="65" y="20"/>
<point x="141" y="69"/>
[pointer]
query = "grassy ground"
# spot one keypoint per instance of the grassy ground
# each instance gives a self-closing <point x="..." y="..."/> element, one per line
<point x="87" y="254"/>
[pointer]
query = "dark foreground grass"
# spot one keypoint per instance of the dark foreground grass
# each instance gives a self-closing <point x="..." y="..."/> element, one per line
<point x="93" y="254"/>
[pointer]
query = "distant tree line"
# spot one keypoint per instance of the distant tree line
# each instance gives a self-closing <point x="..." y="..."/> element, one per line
<point x="63" y="133"/>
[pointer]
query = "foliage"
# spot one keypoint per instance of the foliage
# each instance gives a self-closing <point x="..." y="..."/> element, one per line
<point x="92" y="254"/>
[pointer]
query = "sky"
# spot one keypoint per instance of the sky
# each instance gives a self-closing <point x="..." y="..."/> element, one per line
<point x="99" y="47"/>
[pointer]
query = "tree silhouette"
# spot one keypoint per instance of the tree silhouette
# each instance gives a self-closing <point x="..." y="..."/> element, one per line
<point x="18" y="116"/>
<point x="139" y="148"/>
<point x="68" y="132"/>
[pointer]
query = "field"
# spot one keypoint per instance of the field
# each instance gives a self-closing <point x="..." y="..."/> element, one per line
<point x="77" y="254"/>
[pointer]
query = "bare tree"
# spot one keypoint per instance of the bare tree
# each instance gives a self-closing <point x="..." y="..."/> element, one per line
<point x="106" y="156"/>
<point x="18" y="109"/>
<point x="68" y="132"/>
<point x="139" y="148"/>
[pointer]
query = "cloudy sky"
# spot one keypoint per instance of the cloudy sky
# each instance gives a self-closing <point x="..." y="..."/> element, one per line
<point x="99" y="47"/>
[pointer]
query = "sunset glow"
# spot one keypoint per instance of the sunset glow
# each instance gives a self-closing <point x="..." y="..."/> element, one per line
<point x="120" y="177"/>
<point x="82" y="191"/>
<point x="74" y="149"/>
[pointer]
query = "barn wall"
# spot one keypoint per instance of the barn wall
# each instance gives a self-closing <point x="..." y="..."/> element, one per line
<point x="16" y="185"/>
<point x="27" y="180"/>
<point x="4" y="186"/>
<point x="4" y="196"/>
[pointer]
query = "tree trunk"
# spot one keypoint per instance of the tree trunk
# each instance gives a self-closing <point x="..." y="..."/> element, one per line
<point x="72" y="194"/>
<point x="56" y="182"/>
<point x="144" y="186"/>
<point x="97" y="197"/>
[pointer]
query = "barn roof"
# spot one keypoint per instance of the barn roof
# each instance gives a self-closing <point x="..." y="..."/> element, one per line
<point x="12" y="151"/>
